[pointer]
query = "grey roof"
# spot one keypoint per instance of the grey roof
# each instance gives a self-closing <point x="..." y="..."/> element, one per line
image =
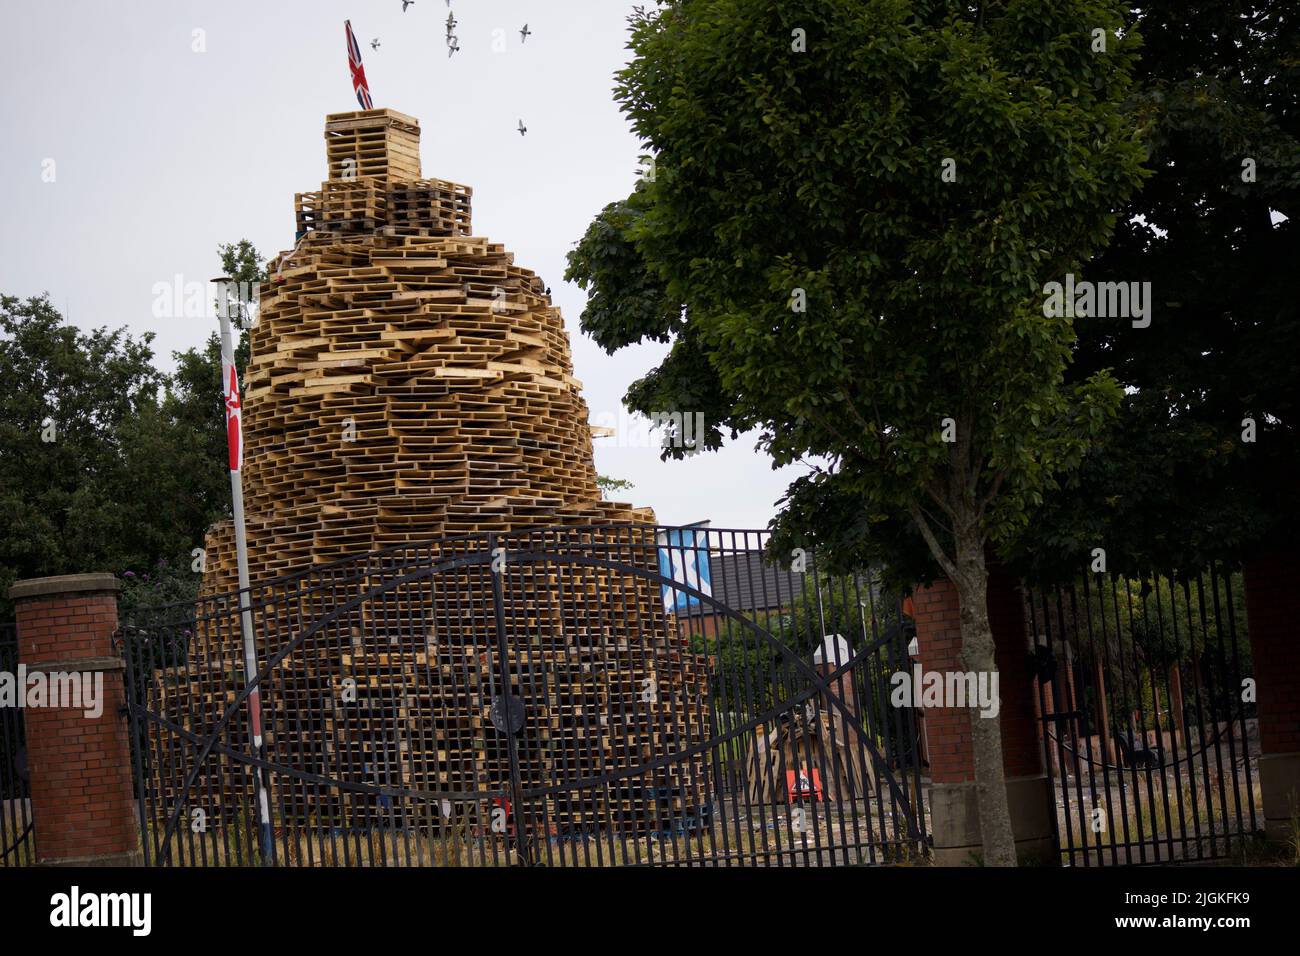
<point x="747" y="581"/>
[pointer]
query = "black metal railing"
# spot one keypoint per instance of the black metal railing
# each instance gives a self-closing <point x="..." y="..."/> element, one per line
<point x="597" y="695"/>
<point x="1149" y="723"/>
<point x="16" y="844"/>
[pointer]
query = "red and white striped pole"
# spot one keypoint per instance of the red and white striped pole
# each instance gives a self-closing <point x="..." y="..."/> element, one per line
<point x="235" y="448"/>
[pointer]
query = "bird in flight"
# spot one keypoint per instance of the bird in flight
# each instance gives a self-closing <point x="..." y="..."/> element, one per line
<point x="525" y="33"/>
<point x="451" y="23"/>
<point x="406" y="3"/>
<point x="522" y="128"/>
<point x="453" y="44"/>
<point x="374" y="44"/>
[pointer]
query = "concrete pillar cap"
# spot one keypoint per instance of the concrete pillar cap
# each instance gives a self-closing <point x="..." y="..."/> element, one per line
<point x="63" y="584"/>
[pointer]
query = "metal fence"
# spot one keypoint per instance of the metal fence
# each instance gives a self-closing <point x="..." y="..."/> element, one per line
<point x="1150" y="730"/>
<point x="568" y="696"/>
<point x="16" y="845"/>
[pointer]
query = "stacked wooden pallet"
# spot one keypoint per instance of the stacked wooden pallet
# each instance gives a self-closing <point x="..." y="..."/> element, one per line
<point x="427" y="207"/>
<point x="399" y="693"/>
<point x="409" y="382"/>
<point x="384" y="144"/>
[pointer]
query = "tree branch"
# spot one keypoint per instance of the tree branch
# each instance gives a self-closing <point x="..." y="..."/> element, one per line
<point x="994" y="488"/>
<point x="938" y="500"/>
<point x="948" y="564"/>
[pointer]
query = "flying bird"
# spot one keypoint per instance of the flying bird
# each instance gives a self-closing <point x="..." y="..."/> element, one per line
<point x="522" y="128"/>
<point x="525" y="33"/>
<point x="451" y="23"/>
<point x="406" y="3"/>
<point x="453" y="44"/>
<point x="374" y="44"/>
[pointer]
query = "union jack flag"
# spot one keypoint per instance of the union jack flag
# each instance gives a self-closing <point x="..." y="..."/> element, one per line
<point x="359" y="83"/>
<point x="234" y="415"/>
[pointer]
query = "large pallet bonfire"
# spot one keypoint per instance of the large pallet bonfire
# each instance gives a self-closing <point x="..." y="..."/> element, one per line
<point x="410" y="383"/>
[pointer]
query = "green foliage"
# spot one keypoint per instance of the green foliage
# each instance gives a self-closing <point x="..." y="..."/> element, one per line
<point x="104" y="492"/>
<point x="1174" y="484"/>
<point x="751" y="674"/>
<point x="136" y="470"/>
<point x="612" y="486"/>
<point x="194" y="405"/>
<point x="821" y="171"/>
<point x="242" y="262"/>
<point x="163" y="584"/>
<point x="1140" y="628"/>
<point x="742" y="662"/>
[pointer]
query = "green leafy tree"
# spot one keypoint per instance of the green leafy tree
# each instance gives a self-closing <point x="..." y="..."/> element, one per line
<point x="242" y="262"/>
<point x="108" y="464"/>
<point x="85" y="478"/>
<point x="612" y="486"/>
<point x="1214" y="232"/>
<point x="854" y="209"/>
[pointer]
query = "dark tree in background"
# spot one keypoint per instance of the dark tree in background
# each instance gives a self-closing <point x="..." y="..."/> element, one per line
<point x="134" y="470"/>
<point x="1175" y="484"/>
<point x="91" y="475"/>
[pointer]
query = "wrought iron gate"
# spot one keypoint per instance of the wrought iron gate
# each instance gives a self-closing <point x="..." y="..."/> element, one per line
<point x="601" y="695"/>
<point x="16" y="848"/>
<point x="1150" y="730"/>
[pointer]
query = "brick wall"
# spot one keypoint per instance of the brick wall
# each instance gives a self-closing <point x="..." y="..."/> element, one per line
<point x="1022" y="749"/>
<point x="947" y="730"/>
<point x="81" y="787"/>
<point x="938" y="627"/>
<point x="1273" y="612"/>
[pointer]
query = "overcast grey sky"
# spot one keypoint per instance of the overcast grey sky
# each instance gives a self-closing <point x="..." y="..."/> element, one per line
<point x="161" y="152"/>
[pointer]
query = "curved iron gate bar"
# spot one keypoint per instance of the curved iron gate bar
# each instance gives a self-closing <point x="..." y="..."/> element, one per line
<point x="819" y="682"/>
<point x="233" y="596"/>
<point x="481" y="558"/>
<point x="477" y="558"/>
<point x="715" y="742"/>
<point x="258" y="600"/>
<point x="18" y="840"/>
<point x="1114" y="766"/>
<point x="249" y="760"/>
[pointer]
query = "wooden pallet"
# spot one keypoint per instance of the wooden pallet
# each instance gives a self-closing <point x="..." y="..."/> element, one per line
<point x="383" y="144"/>
<point x="426" y="208"/>
<point x="410" y="382"/>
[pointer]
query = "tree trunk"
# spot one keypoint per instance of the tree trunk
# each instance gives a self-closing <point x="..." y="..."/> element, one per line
<point x="977" y="654"/>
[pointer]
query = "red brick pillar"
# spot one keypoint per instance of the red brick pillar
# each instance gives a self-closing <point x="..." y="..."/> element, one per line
<point x="954" y="815"/>
<point x="1273" y="615"/>
<point x="79" y="756"/>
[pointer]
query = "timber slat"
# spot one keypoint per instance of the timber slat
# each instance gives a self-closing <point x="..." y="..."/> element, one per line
<point x="409" y="382"/>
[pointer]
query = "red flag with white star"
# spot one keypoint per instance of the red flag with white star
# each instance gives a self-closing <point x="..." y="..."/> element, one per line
<point x="234" y="415"/>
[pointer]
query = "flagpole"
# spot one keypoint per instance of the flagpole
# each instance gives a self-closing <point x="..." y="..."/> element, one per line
<point x="229" y="390"/>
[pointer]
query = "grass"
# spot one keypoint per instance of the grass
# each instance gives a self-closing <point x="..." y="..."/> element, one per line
<point x="432" y="842"/>
<point x="1259" y="851"/>
<point x="435" y="841"/>
<point x="1146" y="819"/>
